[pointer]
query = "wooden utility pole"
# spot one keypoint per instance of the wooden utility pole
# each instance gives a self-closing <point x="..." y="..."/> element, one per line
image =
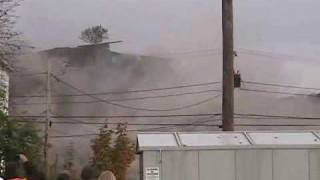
<point x="48" y="111"/>
<point x="228" y="74"/>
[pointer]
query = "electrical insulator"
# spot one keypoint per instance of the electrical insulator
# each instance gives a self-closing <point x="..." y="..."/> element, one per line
<point x="237" y="80"/>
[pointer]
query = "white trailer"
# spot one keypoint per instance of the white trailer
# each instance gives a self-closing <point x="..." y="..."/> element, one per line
<point x="229" y="156"/>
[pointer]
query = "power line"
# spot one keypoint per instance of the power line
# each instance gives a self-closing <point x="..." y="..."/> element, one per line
<point x="117" y="117"/>
<point x="240" y="51"/>
<point x="129" y="124"/>
<point x="260" y="118"/>
<point x="280" y="125"/>
<point x="73" y="136"/>
<point x="239" y="115"/>
<point x="152" y="129"/>
<point x="134" y="108"/>
<point x="195" y="123"/>
<point x="122" y="92"/>
<point x="278" y="92"/>
<point x="76" y="121"/>
<point x="280" y="85"/>
<point x="30" y="74"/>
<point x="162" y="125"/>
<point x="192" y="53"/>
<point x="122" y="99"/>
<point x="96" y="134"/>
<point x="168" y="126"/>
<point x="278" y="116"/>
<point x="130" y="130"/>
<point x="161" y="116"/>
<point x="271" y="54"/>
<point x="192" y="124"/>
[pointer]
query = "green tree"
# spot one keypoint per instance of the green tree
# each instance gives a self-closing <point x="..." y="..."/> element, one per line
<point x="113" y="150"/>
<point x="16" y="138"/>
<point x="94" y="35"/>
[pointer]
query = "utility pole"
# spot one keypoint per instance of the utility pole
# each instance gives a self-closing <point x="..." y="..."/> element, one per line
<point x="48" y="111"/>
<point x="228" y="74"/>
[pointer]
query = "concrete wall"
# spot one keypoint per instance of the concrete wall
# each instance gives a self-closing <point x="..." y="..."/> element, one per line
<point x="258" y="164"/>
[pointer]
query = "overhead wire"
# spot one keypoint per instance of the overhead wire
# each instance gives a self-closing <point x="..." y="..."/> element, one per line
<point x="29" y="74"/>
<point x="277" y="92"/>
<point x="122" y="99"/>
<point x="162" y="116"/>
<point x="116" y="116"/>
<point x="96" y="134"/>
<point x="136" y="130"/>
<point x="273" y="92"/>
<point x="152" y="129"/>
<point x="238" y="116"/>
<point x="279" y="125"/>
<point x="134" y="108"/>
<point x="276" y="116"/>
<point x="191" y="53"/>
<point x="116" y="123"/>
<point x="123" y="92"/>
<point x="280" y="85"/>
<point x="272" y="55"/>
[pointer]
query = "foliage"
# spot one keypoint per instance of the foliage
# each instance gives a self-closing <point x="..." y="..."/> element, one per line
<point x="123" y="153"/>
<point x="94" y="35"/>
<point x="17" y="138"/>
<point x="113" y="150"/>
<point x="3" y="100"/>
<point x="10" y="44"/>
<point x="102" y="149"/>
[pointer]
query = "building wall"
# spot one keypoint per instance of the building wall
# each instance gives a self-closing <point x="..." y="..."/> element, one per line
<point x="258" y="164"/>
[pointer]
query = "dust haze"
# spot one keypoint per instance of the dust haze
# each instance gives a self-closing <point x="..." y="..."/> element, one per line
<point x="167" y="43"/>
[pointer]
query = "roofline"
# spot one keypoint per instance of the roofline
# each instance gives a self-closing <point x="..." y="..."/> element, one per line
<point x="231" y="132"/>
<point x="251" y="145"/>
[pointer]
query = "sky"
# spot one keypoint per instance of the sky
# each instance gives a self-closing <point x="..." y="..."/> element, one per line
<point x="169" y="26"/>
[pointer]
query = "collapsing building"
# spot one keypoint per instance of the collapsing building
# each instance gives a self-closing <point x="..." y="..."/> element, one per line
<point x="90" y="68"/>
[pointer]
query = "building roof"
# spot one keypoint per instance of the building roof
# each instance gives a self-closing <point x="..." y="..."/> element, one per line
<point x="218" y="140"/>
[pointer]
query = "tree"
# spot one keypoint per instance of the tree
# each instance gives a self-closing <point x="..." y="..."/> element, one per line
<point x="102" y="149"/>
<point x="94" y="35"/>
<point x="113" y="150"/>
<point x="10" y="43"/>
<point x="16" y="138"/>
<point x="123" y="152"/>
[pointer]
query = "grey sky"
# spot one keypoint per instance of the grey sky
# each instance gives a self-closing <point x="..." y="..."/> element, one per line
<point x="286" y="26"/>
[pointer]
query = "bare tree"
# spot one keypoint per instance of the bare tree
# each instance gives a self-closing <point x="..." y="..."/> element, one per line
<point x="94" y="35"/>
<point x="10" y="42"/>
